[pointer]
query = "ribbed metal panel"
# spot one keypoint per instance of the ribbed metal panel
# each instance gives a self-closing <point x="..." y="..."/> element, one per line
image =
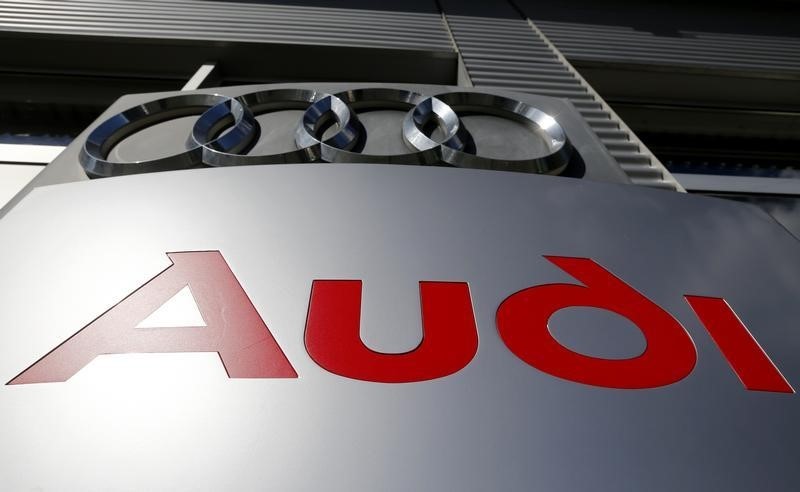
<point x="501" y="53"/>
<point x="218" y="21"/>
<point x="620" y="44"/>
<point x="513" y="55"/>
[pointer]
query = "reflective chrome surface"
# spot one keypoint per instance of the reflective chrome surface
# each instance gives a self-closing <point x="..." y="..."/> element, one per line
<point x="227" y="131"/>
<point x="559" y="148"/>
<point x="324" y="113"/>
<point x="94" y="153"/>
<point x="216" y="155"/>
<point x="433" y="110"/>
<point x="384" y="98"/>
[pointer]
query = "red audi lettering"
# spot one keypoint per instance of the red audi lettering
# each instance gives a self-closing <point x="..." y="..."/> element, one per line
<point x="247" y="349"/>
<point x="522" y="323"/>
<point x="233" y="327"/>
<point x="450" y="337"/>
<point x="745" y="356"/>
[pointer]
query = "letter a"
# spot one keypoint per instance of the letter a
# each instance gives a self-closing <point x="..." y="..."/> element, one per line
<point x="234" y="329"/>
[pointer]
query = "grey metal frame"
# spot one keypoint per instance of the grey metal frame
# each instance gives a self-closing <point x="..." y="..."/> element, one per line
<point x="739" y="184"/>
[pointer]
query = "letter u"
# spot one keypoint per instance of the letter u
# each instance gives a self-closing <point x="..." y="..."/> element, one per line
<point x="333" y="340"/>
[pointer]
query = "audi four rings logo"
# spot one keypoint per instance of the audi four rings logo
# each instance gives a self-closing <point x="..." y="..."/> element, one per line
<point x="227" y="130"/>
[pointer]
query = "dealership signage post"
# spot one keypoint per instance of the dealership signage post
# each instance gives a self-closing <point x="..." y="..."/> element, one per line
<point x="304" y="242"/>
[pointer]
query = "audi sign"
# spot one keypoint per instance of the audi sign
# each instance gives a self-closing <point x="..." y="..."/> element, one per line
<point x="387" y="327"/>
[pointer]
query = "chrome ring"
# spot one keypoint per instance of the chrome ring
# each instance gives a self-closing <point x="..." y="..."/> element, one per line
<point x="217" y="153"/>
<point x="318" y="117"/>
<point x="94" y="152"/>
<point x="384" y="98"/>
<point x="227" y="129"/>
<point x="428" y="110"/>
<point x="553" y="162"/>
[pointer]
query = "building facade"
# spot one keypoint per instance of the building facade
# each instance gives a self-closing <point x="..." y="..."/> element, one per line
<point x="712" y="88"/>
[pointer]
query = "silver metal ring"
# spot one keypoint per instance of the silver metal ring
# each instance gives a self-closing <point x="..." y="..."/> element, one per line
<point x="319" y="117"/>
<point x="559" y="148"/>
<point x="431" y="110"/>
<point x="94" y="153"/>
<point x="227" y="129"/>
<point x="385" y="98"/>
<point x="218" y="153"/>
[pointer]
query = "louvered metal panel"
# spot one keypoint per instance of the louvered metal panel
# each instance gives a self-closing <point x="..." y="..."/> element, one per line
<point x="501" y="53"/>
<point x="514" y="55"/>
<point x="693" y="49"/>
<point x="217" y="21"/>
